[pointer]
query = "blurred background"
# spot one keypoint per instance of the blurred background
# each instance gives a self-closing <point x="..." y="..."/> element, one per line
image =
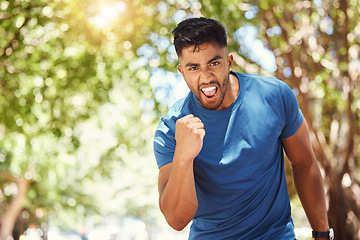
<point x="84" y="83"/>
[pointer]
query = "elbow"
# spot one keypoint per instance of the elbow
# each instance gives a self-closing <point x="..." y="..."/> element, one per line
<point x="177" y="223"/>
<point x="178" y="220"/>
<point x="178" y="228"/>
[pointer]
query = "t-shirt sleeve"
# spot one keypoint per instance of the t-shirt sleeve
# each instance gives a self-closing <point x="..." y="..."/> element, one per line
<point x="293" y="114"/>
<point x="164" y="144"/>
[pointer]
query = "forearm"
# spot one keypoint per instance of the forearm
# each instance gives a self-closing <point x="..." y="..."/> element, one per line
<point x="309" y="186"/>
<point x="178" y="200"/>
<point x="307" y="177"/>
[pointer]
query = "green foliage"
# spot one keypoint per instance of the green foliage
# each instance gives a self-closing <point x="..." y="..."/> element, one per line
<point x="56" y="70"/>
<point x="78" y="111"/>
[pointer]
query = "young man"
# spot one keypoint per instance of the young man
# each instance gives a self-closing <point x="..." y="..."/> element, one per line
<point x="220" y="149"/>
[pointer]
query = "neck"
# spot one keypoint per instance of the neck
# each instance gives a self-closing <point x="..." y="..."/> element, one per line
<point x="232" y="90"/>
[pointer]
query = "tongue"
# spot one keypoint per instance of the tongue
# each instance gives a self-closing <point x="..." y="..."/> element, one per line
<point x="210" y="93"/>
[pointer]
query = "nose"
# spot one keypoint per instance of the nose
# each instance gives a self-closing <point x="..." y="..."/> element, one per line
<point x="206" y="75"/>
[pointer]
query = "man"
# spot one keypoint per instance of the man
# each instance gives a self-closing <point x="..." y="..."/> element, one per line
<point x="220" y="149"/>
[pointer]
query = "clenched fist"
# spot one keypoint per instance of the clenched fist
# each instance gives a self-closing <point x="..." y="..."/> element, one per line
<point x="189" y="137"/>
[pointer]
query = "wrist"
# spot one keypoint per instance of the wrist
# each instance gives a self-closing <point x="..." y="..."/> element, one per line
<point x="186" y="152"/>
<point x="182" y="158"/>
<point x="318" y="235"/>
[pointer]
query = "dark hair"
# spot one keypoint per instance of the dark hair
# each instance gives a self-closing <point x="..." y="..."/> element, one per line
<point x="196" y="31"/>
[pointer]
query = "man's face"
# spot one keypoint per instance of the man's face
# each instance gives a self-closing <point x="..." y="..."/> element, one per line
<point x="206" y="72"/>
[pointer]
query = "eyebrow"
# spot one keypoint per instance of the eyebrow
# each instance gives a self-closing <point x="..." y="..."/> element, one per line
<point x="196" y="64"/>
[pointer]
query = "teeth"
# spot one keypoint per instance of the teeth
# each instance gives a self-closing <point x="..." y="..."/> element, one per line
<point x="208" y="89"/>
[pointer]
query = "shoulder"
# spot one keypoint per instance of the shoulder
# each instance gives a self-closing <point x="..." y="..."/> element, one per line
<point x="254" y="79"/>
<point x="262" y="85"/>
<point x="164" y="139"/>
<point x="178" y="109"/>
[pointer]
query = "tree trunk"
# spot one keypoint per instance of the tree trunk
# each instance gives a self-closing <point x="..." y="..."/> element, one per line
<point x="344" y="207"/>
<point x="336" y="213"/>
<point x="14" y="208"/>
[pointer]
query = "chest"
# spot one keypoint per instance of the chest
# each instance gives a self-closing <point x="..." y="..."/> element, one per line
<point x="243" y="144"/>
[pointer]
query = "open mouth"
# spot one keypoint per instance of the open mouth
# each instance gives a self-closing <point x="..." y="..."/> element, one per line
<point x="209" y="92"/>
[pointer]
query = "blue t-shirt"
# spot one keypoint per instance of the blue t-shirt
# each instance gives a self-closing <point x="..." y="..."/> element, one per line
<point x="239" y="173"/>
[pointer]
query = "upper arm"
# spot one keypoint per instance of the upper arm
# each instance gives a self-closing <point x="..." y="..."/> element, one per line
<point x="298" y="147"/>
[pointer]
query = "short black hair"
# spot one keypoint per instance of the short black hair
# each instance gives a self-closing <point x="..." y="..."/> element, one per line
<point x="196" y="31"/>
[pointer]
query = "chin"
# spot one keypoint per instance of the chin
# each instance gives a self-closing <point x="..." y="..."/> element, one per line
<point x="212" y="106"/>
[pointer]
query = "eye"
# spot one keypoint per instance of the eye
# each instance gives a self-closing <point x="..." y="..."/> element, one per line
<point x="193" y="68"/>
<point x="214" y="63"/>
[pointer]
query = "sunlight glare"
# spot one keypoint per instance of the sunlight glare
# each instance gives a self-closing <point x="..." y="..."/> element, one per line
<point x="107" y="14"/>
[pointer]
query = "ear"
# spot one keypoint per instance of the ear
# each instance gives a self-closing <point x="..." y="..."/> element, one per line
<point x="179" y="68"/>
<point x="230" y="61"/>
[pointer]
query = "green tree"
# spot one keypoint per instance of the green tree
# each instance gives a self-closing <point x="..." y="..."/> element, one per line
<point x="61" y="61"/>
<point x="48" y="84"/>
<point x="57" y="69"/>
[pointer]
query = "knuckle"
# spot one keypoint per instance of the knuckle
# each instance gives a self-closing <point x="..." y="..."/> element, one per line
<point x="180" y="121"/>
